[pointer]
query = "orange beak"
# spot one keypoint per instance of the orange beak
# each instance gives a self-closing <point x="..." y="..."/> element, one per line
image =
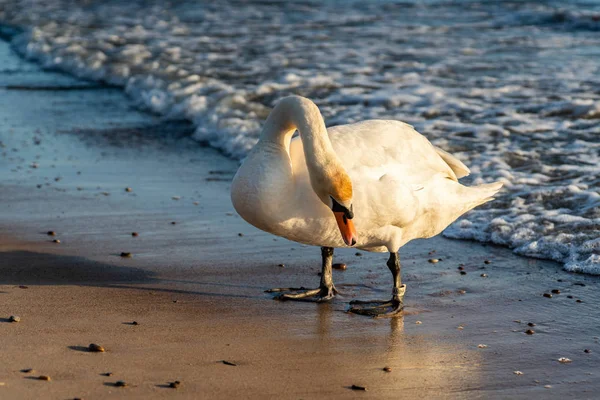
<point x="346" y="228"/>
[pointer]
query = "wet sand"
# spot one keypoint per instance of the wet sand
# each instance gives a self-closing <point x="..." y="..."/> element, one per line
<point x="196" y="287"/>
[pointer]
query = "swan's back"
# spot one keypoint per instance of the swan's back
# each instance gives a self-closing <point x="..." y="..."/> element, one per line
<point x="378" y="147"/>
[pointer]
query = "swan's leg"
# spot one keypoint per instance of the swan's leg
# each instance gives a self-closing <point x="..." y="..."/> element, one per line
<point x="326" y="290"/>
<point x="385" y="308"/>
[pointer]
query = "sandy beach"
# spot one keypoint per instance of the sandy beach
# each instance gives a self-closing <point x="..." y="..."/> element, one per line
<point x="195" y="281"/>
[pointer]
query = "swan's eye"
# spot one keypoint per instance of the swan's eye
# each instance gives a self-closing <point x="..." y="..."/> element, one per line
<point x="337" y="207"/>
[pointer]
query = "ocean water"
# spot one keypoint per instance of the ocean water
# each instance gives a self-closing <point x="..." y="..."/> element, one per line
<point x="511" y="87"/>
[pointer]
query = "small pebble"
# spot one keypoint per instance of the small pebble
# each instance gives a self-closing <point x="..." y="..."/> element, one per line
<point x="463" y="272"/>
<point x="135" y="234"/>
<point x="175" y="384"/>
<point x="418" y="322"/>
<point x="128" y="189"/>
<point x="517" y="373"/>
<point x="56" y="241"/>
<point x="340" y="266"/>
<point x="461" y="291"/>
<point x="587" y="351"/>
<point x="461" y="268"/>
<point x="173" y="223"/>
<point x="484" y="275"/>
<point x="120" y="384"/>
<point x="51" y="233"/>
<point x="569" y="297"/>
<point x="23" y="287"/>
<point x="531" y="324"/>
<point x="44" y="378"/>
<point x="229" y="363"/>
<point x="126" y="254"/>
<point x="358" y="254"/>
<point x="433" y="260"/>
<point x="96" y="348"/>
<point x="482" y="346"/>
<point x="281" y="265"/>
<point x="107" y="374"/>
<point x="387" y="369"/>
<point x="135" y="323"/>
<point x="530" y="331"/>
<point x="176" y="197"/>
<point x="578" y="301"/>
<point x="555" y="291"/>
<point x="357" y="387"/>
<point x="487" y="262"/>
<point x="548" y="295"/>
<point x="14" y="318"/>
<point x="27" y="370"/>
<point x="564" y="360"/>
<point x="240" y="234"/>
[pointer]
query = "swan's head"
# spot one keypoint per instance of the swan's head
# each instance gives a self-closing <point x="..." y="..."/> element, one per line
<point x="338" y="196"/>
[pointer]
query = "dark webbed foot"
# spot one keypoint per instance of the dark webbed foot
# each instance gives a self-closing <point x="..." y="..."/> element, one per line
<point x="385" y="308"/>
<point x="325" y="292"/>
<point x="303" y="294"/>
<point x="380" y="308"/>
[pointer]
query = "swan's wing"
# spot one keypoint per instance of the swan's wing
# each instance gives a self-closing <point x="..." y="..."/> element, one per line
<point x="396" y="174"/>
<point x="460" y="169"/>
<point x="377" y="147"/>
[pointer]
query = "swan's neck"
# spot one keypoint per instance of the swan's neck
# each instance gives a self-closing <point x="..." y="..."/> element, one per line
<point x="302" y="114"/>
<point x="265" y="190"/>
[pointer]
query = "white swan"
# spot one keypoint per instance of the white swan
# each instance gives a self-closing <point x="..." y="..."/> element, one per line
<point x="374" y="185"/>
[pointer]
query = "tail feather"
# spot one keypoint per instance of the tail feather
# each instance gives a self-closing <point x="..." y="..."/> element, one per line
<point x="453" y="200"/>
<point x="481" y="194"/>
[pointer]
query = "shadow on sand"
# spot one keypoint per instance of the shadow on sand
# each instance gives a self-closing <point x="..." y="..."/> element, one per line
<point x="31" y="268"/>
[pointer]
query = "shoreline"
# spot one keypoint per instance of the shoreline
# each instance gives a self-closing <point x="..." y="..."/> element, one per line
<point x="196" y="287"/>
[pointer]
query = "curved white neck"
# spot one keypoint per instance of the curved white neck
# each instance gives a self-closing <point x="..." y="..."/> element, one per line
<point x="299" y="113"/>
<point x="266" y="191"/>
